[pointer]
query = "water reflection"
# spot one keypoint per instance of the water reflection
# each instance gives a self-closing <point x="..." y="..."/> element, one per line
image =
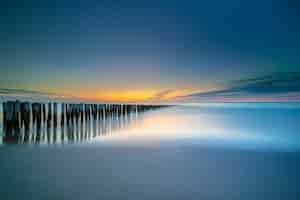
<point x="58" y="123"/>
<point x="243" y="127"/>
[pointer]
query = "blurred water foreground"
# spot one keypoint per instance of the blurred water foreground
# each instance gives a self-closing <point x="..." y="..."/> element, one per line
<point x="215" y="151"/>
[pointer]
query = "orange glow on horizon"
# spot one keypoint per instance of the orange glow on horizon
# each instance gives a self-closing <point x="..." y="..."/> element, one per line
<point x="120" y="96"/>
<point x="133" y="95"/>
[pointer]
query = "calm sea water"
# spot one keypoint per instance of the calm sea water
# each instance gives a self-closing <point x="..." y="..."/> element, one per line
<point x="207" y="151"/>
<point x="249" y="126"/>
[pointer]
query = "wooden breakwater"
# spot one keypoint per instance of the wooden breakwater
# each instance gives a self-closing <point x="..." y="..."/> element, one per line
<point x="33" y="122"/>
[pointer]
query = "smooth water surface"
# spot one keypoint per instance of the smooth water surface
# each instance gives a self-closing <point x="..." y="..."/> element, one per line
<point x="256" y="127"/>
<point x="181" y="152"/>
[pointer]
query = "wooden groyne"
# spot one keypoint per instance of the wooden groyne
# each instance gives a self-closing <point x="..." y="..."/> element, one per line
<point x="33" y="122"/>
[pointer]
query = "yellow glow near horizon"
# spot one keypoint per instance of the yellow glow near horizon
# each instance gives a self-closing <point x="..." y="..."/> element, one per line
<point x="126" y="95"/>
<point x="120" y="96"/>
<point x="133" y="95"/>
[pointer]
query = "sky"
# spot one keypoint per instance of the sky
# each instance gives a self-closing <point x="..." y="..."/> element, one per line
<point x="152" y="50"/>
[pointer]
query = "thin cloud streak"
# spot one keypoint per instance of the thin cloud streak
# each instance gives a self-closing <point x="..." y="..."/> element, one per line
<point x="274" y="87"/>
<point x="31" y="94"/>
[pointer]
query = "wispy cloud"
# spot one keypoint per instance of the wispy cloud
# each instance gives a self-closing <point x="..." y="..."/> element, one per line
<point x="21" y="92"/>
<point x="274" y="87"/>
<point x="169" y="94"/>
<point x="162" y="95"/>
<point x="30" y="94"/>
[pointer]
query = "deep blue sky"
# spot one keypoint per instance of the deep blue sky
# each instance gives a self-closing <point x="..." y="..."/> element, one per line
<point x="87" y="47"/>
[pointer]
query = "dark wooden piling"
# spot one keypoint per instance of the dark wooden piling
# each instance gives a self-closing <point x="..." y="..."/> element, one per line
<point x="25" y="119"/>
<point x="37" y="119"/>
<point x="62" y="118"/>
<point x="4" y="115"/>
<point x="87" y="120"/>
<point x="81" y="112"/>
<point x="77" y="113"/>
<point x="11" y="119"/>
<point x="70" y="122"/>
<point x="55" y="114"/>
<point x="49" y="120"/>
<point x="76" y="124"/>
<point x="44" y="112"/>
<point x="54" y="122"/>
<point x="78" y="121"/>
<point x="68" y="114"/>
<point x="62" y="123"/>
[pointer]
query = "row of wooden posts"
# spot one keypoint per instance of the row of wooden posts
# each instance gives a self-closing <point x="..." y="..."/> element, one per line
<point x="19" y="115"/>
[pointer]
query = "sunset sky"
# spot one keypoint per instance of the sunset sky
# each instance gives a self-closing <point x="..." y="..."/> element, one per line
<point x="151" y="50"/>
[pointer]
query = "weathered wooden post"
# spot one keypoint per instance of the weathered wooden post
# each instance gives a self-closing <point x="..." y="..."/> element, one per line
<point x="81" y="120"/>
<point x="37" y="119"/>
<point x="55" y="114"/>
<point x="62" y="122"/>
<point x="49" y="120"/>
<point x="25" y="119"/>
<point x="62" y="118"/>
<point x="54" y="122"/>
<point x="44" y="112"/>
<point x="11" y="126"/>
